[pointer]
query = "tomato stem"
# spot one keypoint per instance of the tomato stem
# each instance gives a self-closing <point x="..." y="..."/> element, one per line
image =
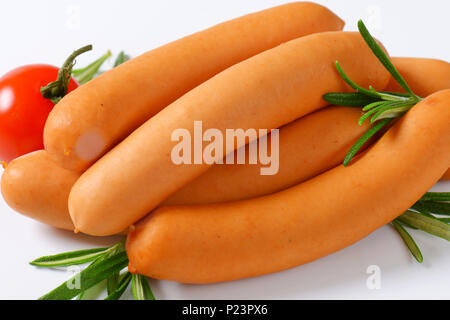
<point x="56" y="90"/>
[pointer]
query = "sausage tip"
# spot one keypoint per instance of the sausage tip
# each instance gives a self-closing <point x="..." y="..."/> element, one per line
<point x="131" y="268"/>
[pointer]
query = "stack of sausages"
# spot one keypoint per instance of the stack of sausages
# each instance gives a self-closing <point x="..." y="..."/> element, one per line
<point x="107" y="162"/>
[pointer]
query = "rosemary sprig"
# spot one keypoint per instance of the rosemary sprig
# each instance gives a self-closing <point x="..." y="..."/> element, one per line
<point x="89" y="72"/>
<point x="121" y="58"/>
<point x="422" y="217"/>
<point x="141" y="288"/>
<point x="442" y="208"/>
<point x="76" y="257"/>
<point x="363" y="139"/>
<point x="377" y="105"/>
<point x="419" y="208"/>
<point x="428" y="224"/>
<point x="98" y="271"/>
<point x="112" y="283"/>
<point x="382" y="56"/>
<point x="352" y="99"/>
<point x="107" y="265"/>
<point x="122" y="285"/>
<point x="436" y="196"/>
<point x="69" y="258"/>
<point x="93" y="292"/>
<point x="409" y="241"/>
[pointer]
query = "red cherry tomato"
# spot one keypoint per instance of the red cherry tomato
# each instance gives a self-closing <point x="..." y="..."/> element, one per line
<point x="23" y="111"/>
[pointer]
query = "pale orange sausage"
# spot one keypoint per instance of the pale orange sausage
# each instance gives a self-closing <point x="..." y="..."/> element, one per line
<point x="223" y="242"/>
<point x="307" y="147"/>
<point x="297" y="161"/>
<point x="424" y="76"/>
<point x="301" y="157"/>
<point x="266" y="91"/>
<point x="99" y="114"/>
<point x="36" y="187"/>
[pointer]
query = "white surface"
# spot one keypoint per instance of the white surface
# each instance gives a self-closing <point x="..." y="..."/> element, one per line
<point x="46" y="31"/>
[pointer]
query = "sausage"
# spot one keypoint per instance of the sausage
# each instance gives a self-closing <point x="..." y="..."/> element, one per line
<point x="266" y="91"/>
<point x="307" y="147"/>
<point x="89" y="121"/>
<point x="36" y="187"/>
<point x="424" y="76"/>
<point x="223" y="242"/>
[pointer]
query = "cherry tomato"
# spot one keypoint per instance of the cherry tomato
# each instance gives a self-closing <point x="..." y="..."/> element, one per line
<point x="23" y="111"/>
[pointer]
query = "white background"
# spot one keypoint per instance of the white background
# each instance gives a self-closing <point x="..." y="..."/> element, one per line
<point x="47" y="31"/>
